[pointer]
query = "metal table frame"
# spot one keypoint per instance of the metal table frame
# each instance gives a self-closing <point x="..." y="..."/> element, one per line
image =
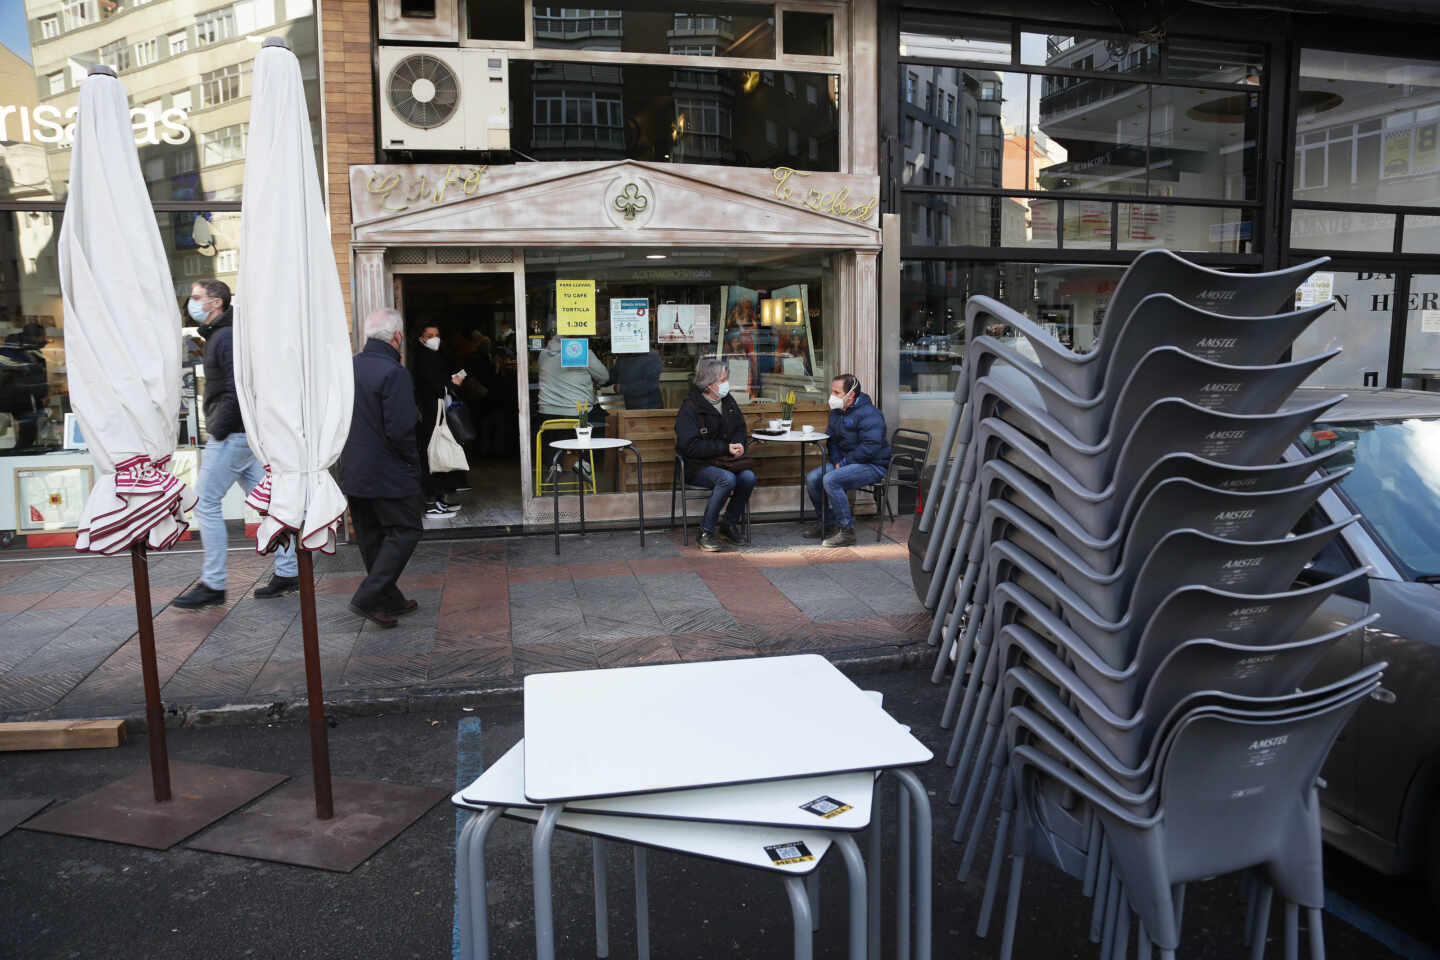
<point x="821" y="441"/>
<point x="562" y="447"/>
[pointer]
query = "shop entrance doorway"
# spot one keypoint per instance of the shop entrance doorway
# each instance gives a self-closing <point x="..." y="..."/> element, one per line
<point x="473" y="315"/>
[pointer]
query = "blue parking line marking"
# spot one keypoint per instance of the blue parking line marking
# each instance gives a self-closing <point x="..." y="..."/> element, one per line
<point x="1398" y="941"/>
<point x="469" y="764"/>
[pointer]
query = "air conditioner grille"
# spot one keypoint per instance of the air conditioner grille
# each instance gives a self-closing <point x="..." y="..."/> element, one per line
<point x="423" y="91"/>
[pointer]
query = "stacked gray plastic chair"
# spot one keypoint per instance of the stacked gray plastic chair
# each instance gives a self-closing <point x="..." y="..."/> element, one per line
<point x="1109" y="550"/>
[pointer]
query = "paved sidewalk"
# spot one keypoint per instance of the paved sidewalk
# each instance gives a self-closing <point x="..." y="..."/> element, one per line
<point x="491" y="611"/>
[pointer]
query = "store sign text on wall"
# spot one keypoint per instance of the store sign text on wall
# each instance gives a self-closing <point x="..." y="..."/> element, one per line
<point x="46" y="124"/>
<point x="398" y="195"/>
<point x="839" y="202"/>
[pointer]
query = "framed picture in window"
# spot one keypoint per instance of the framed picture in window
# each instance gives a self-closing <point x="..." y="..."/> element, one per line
<point x="51" y="498"/>
<point x="74" y="437"/>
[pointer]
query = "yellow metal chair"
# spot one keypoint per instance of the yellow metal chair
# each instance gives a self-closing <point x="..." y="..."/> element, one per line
<point x="543" y="458"/>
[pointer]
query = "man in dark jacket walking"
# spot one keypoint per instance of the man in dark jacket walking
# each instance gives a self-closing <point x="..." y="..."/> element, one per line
<point x="380" y="469"/>
<point x="859" y="456"/>
<point x="711" y="434"/>
<point x="228" y="459"/>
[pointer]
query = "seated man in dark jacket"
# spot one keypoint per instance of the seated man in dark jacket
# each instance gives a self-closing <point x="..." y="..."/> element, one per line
<point x="710" y="433"/>
<point x="859" y="456"/>
<point x="380" y="469"/>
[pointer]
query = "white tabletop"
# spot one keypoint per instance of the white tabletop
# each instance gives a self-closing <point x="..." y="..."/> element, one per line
<point x="606" y="733"/>
<point x="794" y="436"/>
<point x="768" y="848"/>
<point x="594" y="443"/>
<point x="837" y="802"/>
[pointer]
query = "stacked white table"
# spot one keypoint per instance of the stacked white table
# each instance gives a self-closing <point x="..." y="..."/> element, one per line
<point x="600" y="742"/>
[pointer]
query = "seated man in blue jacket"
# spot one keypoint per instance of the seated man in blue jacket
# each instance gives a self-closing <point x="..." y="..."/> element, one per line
<point x="859" y="456"/>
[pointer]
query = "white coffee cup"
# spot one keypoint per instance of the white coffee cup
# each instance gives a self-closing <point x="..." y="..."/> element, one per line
<point x="808" y="428"/>
<point x="774" y="424"/>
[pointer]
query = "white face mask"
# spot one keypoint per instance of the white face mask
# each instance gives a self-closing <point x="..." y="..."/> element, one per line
<point x="837" y="403"/>
<point x="723" y="390"/>
<point x="432" y="344"/>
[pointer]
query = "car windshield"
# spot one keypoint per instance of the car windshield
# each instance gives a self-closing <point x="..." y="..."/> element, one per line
<point x="1395" y="485"/>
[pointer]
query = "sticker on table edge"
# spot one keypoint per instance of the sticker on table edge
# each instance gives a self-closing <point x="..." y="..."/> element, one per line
<point x="783" y="854"/>
<point x="826" y="807"/>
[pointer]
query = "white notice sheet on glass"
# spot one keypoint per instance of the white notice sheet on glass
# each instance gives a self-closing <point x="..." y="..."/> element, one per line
<point x="629" y="325"/>
<point x="683" y="323"/>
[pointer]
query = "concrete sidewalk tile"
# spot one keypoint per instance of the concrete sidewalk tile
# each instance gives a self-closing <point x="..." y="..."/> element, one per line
<point x="395" y="642"/>
<point x="45" y="622"/>
<point x="636" y="651"/>
<point x="288" y="676"/>
<point x="410" y="582"/>
<point x="548" y="632"/>
<point x="18" y="647"/>
<point x="536" y="573"/>
<point x="490" y="616"/>
<point x="827" y="609"/>
<point x="613" y="568"/>
<point x="228" y="679"/>
<point x="649" y="565"/>
<point x="539" y="590"/>
<point x="38" y="692"/>
<point x="550" y="657"/>
<point x="477" y="663"/>
<point x="696" y="620"/>
<point x="712" y="646"/>
<point x="14" y="602"/>
<point x="64" y="599"/>
<point x="386" y="671"/>
<point x="915" y="625"/>
<point x="338" y="584"/>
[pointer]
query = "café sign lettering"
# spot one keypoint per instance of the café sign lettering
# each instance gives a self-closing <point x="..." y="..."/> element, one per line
<point x="837" y="202"/>
<point x="46" y="124"/>
<point x="397" y="193"/>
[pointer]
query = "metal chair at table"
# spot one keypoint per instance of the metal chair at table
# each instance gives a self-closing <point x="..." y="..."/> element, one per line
<point x="909" y="449"/>
<point x="542" y="485"/>
<point x="690" y="491"/>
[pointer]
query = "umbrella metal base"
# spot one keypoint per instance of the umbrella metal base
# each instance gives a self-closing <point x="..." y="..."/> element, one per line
<point x="126" y="811"/>
<point x="16" y="810"/>
<point x="283" y="827"/>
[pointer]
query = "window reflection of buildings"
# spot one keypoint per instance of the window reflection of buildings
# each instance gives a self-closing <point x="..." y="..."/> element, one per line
<point x="953" y="136"/>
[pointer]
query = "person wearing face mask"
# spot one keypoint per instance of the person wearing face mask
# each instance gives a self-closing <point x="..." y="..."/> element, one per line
<point x="434" y="373"/>
<point x="859" y="456"/>
<point x="228" y="459"/>
<point x="711" y="434"/>
<point x="380" y="469"/>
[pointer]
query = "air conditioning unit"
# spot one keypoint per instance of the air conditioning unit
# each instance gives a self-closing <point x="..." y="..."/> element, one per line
<point x="443" y="98"/>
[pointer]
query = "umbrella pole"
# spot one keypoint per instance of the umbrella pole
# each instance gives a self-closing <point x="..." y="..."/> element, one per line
<point x="319" y="734"/>
<point x="154" y="711"/>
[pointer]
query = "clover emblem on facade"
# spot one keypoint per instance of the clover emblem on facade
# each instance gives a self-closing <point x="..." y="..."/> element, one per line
<point x="631" y="201"/>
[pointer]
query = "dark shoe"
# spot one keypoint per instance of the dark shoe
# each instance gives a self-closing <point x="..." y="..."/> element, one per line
<point x="708" y="542"/>
<point x="278" y="587"/>
<point x="843" y="537"/>
<point x="812" y="531"/>
<point x="199" y="596"/>
<point x="409" y="606"/>
<point x="378" y="617"/>
<point x="727" y="533"/>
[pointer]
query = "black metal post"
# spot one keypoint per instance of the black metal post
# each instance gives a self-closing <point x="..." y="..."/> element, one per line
<point x="154" y="709"/>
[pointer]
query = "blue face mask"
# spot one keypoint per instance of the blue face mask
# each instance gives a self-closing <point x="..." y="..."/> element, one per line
<point x="723" y="390"/>
<point x="197" y="312"/>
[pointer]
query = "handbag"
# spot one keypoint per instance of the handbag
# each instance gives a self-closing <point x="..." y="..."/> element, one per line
<point x="458" y="419"/>
<point x="734" y="464"/>
<point x="443" y="453"/>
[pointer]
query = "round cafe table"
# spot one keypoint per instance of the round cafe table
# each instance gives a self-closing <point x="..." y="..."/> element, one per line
<point x="802" y="438"/>
<point x="562" y="447"/>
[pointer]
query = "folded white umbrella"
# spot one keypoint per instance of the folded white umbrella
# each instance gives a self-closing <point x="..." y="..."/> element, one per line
<point x="293" y="368"/>
<point x="122" y="331"/>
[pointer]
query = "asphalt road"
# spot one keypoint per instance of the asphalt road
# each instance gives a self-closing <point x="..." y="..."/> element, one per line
<point x="71" y="898"/>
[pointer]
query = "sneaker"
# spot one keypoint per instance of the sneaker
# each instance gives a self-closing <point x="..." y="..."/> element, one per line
<point x="199" y="596"/>
<point x="708" y="542"/>
<point x="812" y="531"/>
<point x="728" y="534"/>
<point x="379" y="617"/>
<point x="437" y="512"/>
<point x="278" y="587"/>
<point x="843" y="537"/>
<point x="446" y="505"/>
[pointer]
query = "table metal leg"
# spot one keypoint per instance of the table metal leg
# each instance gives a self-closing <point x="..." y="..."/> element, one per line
<point x="640" y="495"/>
<point x="602" y="908"/>
<point x="474" y="894"/>
<point x="642" y="906"/>
<point x="803" y="476"/>
<point x="580" y="488"/>
<point x="902" y="876"/>
<point x="921" y="802"/>
<point x="824" y="495"/>
<point x="855" y="870"/>
<point x="540" y="867"/>
<point x="800" y="909"/>
<point x="555" y="497"/>
<point x="875" y="872"/>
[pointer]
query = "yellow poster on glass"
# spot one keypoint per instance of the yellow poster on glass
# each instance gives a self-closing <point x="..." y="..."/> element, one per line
<point x="575" y="308"/>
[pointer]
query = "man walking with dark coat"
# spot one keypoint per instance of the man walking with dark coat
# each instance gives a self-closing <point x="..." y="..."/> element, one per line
<point x="380" y="469"/>
<point x="228" y="459"/>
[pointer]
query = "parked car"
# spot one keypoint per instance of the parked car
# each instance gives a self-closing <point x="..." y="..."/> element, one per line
<point x="1382" y="795"/>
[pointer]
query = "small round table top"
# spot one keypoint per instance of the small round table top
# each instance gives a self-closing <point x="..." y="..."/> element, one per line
<point x="794" y="436"/>
<point x="594" y="443"/>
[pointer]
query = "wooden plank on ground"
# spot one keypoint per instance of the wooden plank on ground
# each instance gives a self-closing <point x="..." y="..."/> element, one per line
<point x="61" y="734"/>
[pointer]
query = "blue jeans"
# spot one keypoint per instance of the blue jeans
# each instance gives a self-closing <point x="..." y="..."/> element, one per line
<point x="839" y="480"/>
<point x="722" y="484"/>
<point x="226" y="463"/>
